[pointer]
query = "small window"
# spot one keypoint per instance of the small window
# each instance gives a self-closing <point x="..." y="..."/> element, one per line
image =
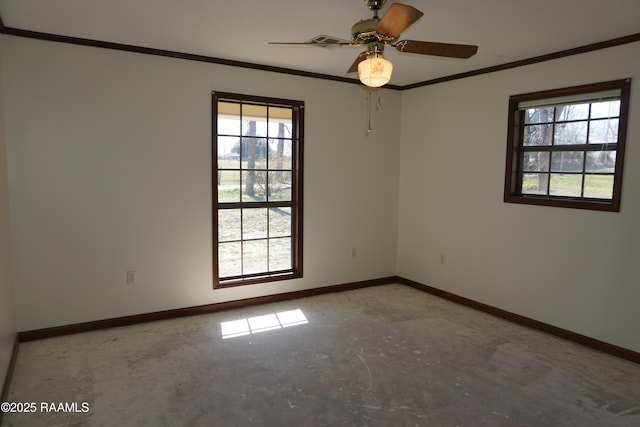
<point x="257" y="189"/>
<point x="565" y="147"/>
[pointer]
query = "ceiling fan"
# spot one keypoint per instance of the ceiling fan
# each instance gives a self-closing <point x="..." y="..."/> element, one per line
<point x="376" y="33"/>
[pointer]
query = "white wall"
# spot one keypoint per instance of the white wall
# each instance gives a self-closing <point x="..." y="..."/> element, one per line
<point x="110" y="170"/>
<point x="574" y="269"/>
<point x="7" y="306"/>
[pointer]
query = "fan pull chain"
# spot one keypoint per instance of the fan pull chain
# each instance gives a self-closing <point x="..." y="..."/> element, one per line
<point x="378" y="106"/>
<point x="369" y="112"/>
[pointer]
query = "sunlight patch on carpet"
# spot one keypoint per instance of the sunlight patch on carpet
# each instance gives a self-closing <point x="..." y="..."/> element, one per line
<point x="267" y="322"/>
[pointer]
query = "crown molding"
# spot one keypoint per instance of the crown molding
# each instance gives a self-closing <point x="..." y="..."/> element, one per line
<point x="632" y="38"/>
<point x="173" y="54"/>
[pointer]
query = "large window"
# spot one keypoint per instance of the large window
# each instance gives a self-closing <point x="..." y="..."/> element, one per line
<point x="565" y="147"/>
<point x="257" y="182"/>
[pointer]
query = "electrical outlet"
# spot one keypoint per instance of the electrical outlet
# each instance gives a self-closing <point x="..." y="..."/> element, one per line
<point x="131" y="277"/>
<point x="443" y="259"/>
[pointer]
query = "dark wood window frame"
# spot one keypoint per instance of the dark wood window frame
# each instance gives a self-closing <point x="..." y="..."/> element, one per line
<point x="516" y="148"/>
<point x="294" y="204"/>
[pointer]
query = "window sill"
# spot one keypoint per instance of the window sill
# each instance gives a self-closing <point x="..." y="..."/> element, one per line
<point x="265" y="278"/>
<point x="564" y="202"/>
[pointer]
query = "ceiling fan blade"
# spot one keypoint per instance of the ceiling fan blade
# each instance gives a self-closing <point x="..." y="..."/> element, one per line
<point x="359" y="59"/>
<point x="448" y="50"/>
<point x="397" y="19"/>
<point x="315" y="43"/>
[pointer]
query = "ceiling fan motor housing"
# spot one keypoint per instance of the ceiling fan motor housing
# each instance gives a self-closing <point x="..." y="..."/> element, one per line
<point x="364" y="32"/>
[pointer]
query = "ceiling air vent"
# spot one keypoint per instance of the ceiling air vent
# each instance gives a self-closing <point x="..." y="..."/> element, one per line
<point x="326" y="40"/>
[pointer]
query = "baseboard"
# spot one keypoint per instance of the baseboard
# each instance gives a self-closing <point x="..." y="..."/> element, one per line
<point x="211" y="308"/>
<point x="526" y="321"/>
<point x="191" y="311"/>
<point x="4" y="396"/>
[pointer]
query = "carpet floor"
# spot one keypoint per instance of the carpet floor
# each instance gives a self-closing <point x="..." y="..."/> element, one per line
<point x="382" y="356"/>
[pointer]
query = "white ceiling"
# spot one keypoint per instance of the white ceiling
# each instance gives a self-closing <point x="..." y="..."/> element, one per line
<point x="504" y="30"/>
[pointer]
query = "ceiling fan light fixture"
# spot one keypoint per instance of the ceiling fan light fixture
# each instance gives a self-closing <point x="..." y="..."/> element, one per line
<point x="375" y="71"/>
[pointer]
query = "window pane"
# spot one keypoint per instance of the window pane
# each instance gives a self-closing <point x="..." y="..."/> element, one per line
<point x="280" y="153"/>
<point x="254" y="153"/>
<point x="279" y="185"/>
<point x="254" y="223"/>
<point x="279" y="254"/>
<point x="605" y="109"/>
<point x="536" y="161"/>
<point x="569" y="185"/>
<point x="228" y="118"/>
<point x="254" y="120"/>
<point x="601" y="161"/>
<point x="280" y="122"/>
<point x="538" y="115"/>
<point x="229" y="225"/>
<point x="570" y="133"/>
<point x="603" y="131"/>
<point x="567" y="161"/>
<point x="598" y="186"/>
<point x="279" y="222"/>
<point x="229" y="259"/>
<point x="257" y="155"/>
<point x="537" y="135"/>
<point x="535" y="183"/>
<point x="254" y="256"/>
<point x="228" y="152"/>
<point x="228" y="186"/>
<point x="569" y="146"/>
<point x="253" y="186"/>
<point x="572" y="112"/>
